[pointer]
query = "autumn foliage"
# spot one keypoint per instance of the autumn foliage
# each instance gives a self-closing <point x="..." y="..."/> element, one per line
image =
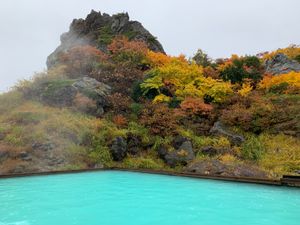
<point x="176" y="77"/>
<point x="236" y="69"/>
<point x="81" y="60"/>
<point x="120" y="120"/>
<point x="292" y="52"/>
<point x="283" y="83"/>
<point x="127" y="52"/>
<point x="196" y="106"/>
<point x="160" y="119"/>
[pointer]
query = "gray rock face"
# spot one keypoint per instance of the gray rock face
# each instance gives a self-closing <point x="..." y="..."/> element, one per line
<point x="95" y="29"/>
<point x="180" y="155"/>
<point x="94" y="87"/>
<point x="60" y="96"/>
<point x="96" y="91"/>
<point x="219" y="130"/>
<point x="281" y="64"/>
<point x="62" y="93"/>
<point x="134" y="144"/>
<point x="215" y="167"/>
<point x="36" y="146"/>
<point x="3" y="155"/>
<point x="118" y="149"/>
<point x="25" y="156"/>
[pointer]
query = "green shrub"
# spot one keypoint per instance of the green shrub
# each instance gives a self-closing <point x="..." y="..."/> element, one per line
<point x="101" y="155"/>
<point x="136" y="108"/>
<point x="279" y="88"/>
<point x="297" y="58"/>
<point x="143" y="163"/>
<point x="139" y="130"/>
<point x="16" y="136"/>
<point x="106" y="36"/>
<point x="253" y="148"/>
<point x="248" y="67"/>
<point x="136" y="91"/>
<point x="202" y="59"/>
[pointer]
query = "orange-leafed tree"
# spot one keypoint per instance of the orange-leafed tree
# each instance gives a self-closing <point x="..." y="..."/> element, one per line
<point x="130" y="53"/>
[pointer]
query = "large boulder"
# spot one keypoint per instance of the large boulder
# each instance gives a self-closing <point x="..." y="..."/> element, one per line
<point x="98" y="30"/>
<point x="220" y="130"/>
<point x="181" y="153"/>
<point x="73" y="92"/>
<point x="45" y="147"/>
<point x="4" y="154"/>
<point x="92" y="87"/>
<point x="216" y="167"/>
<point x="134" y="144"/>
<point x="118" y="149"/>
<point x="281" y="64"/>
<point x="58" y="95"/>
<point x="96" y="91"/>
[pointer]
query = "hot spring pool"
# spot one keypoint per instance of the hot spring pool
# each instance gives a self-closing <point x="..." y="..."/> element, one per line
<point x="125" y="198"/>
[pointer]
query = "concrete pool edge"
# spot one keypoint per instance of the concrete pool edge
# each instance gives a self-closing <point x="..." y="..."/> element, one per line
<point x="290" y="181"/>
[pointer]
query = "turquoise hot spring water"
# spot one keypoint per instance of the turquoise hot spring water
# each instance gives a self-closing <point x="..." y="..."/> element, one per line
<point x="127" y="198"/>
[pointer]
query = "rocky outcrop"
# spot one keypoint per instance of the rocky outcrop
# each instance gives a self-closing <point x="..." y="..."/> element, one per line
<point x="216" y="167"/>
<point x="134" y="144"/>
<point x="181" y="153"/>
<point x="220" y="130"/>
<point x="96" y="91"/>
<point x="118" y="149"/>
<point x="92" y="87"/>
<point x="213" y="151"/>
<point x="25" y="156"/>
<point x="65" y="93"/>
<point x="3" y="155"/>
<point x="99" y="29"/>
<point x="281" y="64"/>
<point x="54" y="94"/>
<point x="47" y="146"/>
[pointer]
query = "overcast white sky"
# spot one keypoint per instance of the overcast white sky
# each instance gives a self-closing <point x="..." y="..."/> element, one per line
<point x="30" y="29"/>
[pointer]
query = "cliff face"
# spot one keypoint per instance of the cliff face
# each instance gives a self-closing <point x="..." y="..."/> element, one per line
<point x="99" y="29"/>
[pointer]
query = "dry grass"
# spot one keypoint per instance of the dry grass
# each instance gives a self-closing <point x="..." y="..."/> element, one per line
<point x="282" y="154"/>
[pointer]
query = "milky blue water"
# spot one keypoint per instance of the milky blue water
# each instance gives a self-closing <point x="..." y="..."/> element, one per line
<point x="124" y="198"/>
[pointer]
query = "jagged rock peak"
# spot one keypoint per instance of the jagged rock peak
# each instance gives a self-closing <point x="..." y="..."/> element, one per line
<point x="281" y="64"/>
<point x="99" y="29"/>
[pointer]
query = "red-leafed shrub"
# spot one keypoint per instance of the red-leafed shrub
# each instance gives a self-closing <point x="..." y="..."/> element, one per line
<point x="159" y="119"/>
<point x="195" y="106"/>
<point x="210" y="72"/>
<point x="82" y="60"/>
<point x="120" y="103"/>
<point x="120" y="120"/>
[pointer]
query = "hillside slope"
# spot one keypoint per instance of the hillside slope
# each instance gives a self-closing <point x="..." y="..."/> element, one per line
<point x="112" y="97"/>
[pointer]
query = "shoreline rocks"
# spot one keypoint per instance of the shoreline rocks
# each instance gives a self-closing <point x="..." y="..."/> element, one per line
<point x="181" y="154"/>
<point x="219" y="129"/>
<point x="216" y="167"/>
